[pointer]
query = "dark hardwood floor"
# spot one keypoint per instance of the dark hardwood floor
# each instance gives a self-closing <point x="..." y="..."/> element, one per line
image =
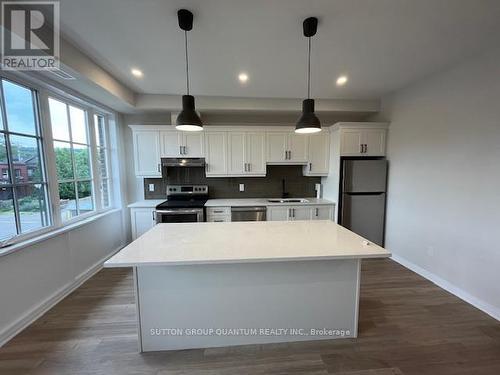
<point x="407" y="326"/>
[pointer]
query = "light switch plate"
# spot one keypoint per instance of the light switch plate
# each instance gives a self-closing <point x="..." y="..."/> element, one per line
<point x="151" y="187"/>
<point x="242" y="187"/>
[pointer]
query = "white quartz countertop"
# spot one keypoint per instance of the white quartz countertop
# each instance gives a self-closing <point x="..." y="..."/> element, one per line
<point x="244" y="242"/>
<point x="263" y="202"/>
<point x="147" y="203"/>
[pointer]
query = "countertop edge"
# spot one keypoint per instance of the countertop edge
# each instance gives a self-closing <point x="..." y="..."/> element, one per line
<point x="245" y="261"/>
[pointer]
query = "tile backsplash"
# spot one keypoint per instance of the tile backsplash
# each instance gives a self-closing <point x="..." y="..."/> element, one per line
<point x="296" y="185"/>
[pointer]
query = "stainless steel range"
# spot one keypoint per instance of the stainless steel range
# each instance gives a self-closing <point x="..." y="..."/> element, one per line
<point x="184" y="204"/>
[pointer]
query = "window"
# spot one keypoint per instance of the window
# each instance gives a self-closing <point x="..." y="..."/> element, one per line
<point x="23" y="183"/>
<point x="72" y="155"/>
<point x="100" y="127"/>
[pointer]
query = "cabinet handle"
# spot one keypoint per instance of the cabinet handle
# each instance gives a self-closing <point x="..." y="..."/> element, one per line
<point x="159" y="167"/>
<point x="360" y="148"/>
<point x="286" y="155"/>
<point x="180" y="150"/>
<point x="154" y="218"/>
<point x="249" y="167"/>
<point x="289" y="155"/>
<point x="185" y="150"/>
<point x="317" y="212"/>
<point x="310" y="167"/>
<point x="366" y="148"/>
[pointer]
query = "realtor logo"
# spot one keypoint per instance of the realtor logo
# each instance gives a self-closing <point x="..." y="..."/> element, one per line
<point x="30" y="35"/>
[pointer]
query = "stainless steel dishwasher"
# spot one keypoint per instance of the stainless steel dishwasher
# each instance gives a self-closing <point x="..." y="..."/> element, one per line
<point x="248" y="213"/>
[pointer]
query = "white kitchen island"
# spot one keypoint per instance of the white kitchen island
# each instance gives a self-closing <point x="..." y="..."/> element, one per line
<point x="204" y="285"/>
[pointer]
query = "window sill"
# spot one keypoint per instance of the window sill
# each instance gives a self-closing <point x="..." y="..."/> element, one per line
<point x="55" y="232"/>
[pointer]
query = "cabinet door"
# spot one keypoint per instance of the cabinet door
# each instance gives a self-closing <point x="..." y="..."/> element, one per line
<point x="255" y="153"/>
<point x="297" y="147"/>
<point x="236" y="153"/>
<point x="215" y="153"/>
<point x="322" y="213"/>
<point x="301" y="213"/>
<point x="319" y="154"/>
<point x="147" y="153"/>
<point x="278" y="213"/>
<point x="350" y="142"/>
<point x="374" y="139"/>
<point x="277" y="146"/>
<point x="171" y="142"/>
<point x="142" y="220"/>
<point x="193" y="144"/>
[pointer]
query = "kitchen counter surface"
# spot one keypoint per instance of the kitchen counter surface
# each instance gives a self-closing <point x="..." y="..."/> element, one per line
<point x="244" y="242"/>
<point x="147" y="203"/>
<point x="263" y="202"/>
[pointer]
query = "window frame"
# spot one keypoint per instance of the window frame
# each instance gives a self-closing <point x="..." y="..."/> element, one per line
<point x="107" y="149"/>
<point x="43" y="90"/>
<point x="39" y="137"/>
<point x="75" y="180"/>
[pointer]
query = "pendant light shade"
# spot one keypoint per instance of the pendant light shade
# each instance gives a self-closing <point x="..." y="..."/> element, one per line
<point x="308" y="122"/>
<point x="188" y="119"/>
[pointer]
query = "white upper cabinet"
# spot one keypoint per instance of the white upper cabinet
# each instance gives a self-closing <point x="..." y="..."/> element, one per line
<point x="246" y="154"/>
<point x="374" y="142"/>
<point x="243" y="151"/>
<point x="319" y="154"/>
<point x="277" y="147"/>
<point x="147" y="153"/>
<point x="362" y="139"/>
<point x="350" y="142"/>
<point x="216" y="153"/>
<point x="255" y="147"/>
<point x="236" y="153"/>
<point x="287" y="148"/>
<point x="178" y="144"/>
<point x="298" y="147"/>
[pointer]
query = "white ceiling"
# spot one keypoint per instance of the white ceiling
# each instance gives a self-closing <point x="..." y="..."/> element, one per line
<point x="382" y="45"/>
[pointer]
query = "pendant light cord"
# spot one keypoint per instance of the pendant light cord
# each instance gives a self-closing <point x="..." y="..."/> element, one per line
<point x="187" y="61"/>
<point x="309" y="70"/>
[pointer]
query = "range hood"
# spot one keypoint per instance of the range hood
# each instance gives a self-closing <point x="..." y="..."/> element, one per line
<point x="183" y="162"/>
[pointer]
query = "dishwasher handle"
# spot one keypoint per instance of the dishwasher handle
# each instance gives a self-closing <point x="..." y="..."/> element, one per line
<point x="248" y="209"/>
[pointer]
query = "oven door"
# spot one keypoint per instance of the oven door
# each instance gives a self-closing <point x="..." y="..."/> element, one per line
<point x="179" y="215"/>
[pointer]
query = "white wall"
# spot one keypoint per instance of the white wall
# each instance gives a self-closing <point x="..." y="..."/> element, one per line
<point x="443" y="209"/>
<point x="33" y="278"/>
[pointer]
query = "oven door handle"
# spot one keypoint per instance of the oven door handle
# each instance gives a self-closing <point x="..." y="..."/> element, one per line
<point x="182" y="211"/>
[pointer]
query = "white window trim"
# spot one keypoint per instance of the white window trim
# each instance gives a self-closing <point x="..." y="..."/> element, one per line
<point x="44" y="91"/>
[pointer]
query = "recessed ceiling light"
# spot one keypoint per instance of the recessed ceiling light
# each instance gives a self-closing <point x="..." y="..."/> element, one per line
<point x="243" y="77"/>
<point x="136" y="72"/>
<point x="341" y="81"/>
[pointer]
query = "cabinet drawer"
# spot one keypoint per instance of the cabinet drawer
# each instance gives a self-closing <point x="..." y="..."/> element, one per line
<point x="211" y="211"/>
<point x="219" y="218"/>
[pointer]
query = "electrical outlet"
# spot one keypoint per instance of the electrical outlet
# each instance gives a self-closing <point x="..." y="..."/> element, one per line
<point x="242" y="187"/>
<point x="151" y="187"/>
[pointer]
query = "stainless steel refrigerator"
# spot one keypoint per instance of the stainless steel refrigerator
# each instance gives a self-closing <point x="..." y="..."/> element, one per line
<point x="362" y="197"/>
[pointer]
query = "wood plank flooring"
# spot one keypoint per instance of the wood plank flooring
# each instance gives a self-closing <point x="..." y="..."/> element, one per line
<point x="407" y="326"/>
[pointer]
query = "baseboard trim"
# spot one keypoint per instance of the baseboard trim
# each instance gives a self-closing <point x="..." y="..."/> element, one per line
<point x="30" y="316"/>
<point x="446" y="285"/>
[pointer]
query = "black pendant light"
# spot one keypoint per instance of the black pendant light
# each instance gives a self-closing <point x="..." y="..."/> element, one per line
<point x="308" y="122"/>
<point x="188" y="119"/>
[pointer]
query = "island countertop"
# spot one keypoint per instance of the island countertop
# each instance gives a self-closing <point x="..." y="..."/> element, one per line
<point x="244" y="242"/>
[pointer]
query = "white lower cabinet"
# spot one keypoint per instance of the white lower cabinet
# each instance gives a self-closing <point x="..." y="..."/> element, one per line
<point x="218" y="214"/>
<point x="322" y="212"/>
<point x="288" y="213"/>
<point x="278" y="213"/>
<point x="142" y="220"/>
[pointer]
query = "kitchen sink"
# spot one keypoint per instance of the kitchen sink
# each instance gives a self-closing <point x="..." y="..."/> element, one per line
<point x="288" y="200"/>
